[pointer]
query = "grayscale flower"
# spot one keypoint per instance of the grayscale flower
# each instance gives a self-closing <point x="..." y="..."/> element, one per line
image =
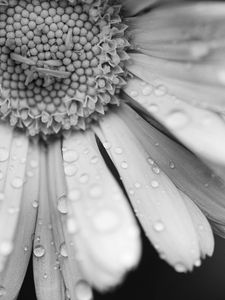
<point x="102" y="103"/>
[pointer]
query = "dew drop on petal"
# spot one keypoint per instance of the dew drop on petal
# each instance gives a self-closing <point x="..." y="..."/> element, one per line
<point x="124" y="165"/>
<point x="4" y="154"/>
<point x="172" y="165"/>
<point x="62" y="205"/>
<point x="94" y="159"/>
<point x="72" y="226"/>
<point x="39" y="251"/>
<point x="25" y="248"/>
<point x="107" y="145"/>
<point x="2" y="291"/>
<point x="70" y="170"/>
<point x="6" y="248"/>
<point x="198" y="263"/>
<point x="155" y="183"/>
<point x="83" y="290"/>
<point x="2" y="196"/>
<point x="160" y="90"/>
<point x="83" y="178"/>
<point x="35" y="204"/>
<point x="70" y="156"/>
<point x="177" y="119"/>
<point x="63" y="250"/>
<point x="105" y="220"/>
<point x="180" y="268"/>
<point x="17" y="182"/>
<point x="155" y="169"/>
<point x="158" y="226"/>
<point x="45" y="276"/>
<point x="153" y="108"/>
<point x="118" y="150"/>
<point x="147" y="90"/>
<point x="34" y="163"/>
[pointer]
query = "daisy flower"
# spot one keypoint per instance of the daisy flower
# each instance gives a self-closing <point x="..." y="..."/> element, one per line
<point x="102" y="102"/>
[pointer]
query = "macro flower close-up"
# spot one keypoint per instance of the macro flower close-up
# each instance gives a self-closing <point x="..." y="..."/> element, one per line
<point x="112" y="123"/>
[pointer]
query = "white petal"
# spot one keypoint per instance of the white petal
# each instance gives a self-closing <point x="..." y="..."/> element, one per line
<point x="107" y="239"/>
<point x="47" y="276"/>
<point x="155" y="199"/>
<point x="202" y="131"/>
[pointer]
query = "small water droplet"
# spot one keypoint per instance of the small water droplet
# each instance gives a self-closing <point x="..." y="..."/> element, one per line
<point x="2" y="291"/>
<point x="177" y="119"/>
<point x="131" y="192"/>
<point x="72" y="225"/>
<point x="70" y="156"/>
<point x="45" y="276"/>
<point x="63" y="250"/>
<point x="70" y="170"/>
<point x="133" y="93"/>
<point x="96" y="191"/>
<point x="172" y="165"/>
<point x="150" y="160"/>
<point x="155" y="183"/>
<point x="158" y="226"/>
<point x="180" y="268"/>
<point x="6" y="248"/>
<point x="124" y="165"/>
<point x="147" y="90"/>
<point x="118" y="150"/>
<point x="34" y="163"/>
<point x="160" y="90"/>
<point x="4" y="154"/>
<point x="23" y="160"/>
<point x="35" y="204"/>
<point x="2" y="196"/>
<point x="198" y="263"/>
<point x="30" y="174"/>
<point x="62" y="205"/>
<point x="74" y="195"/>
<point x="25" y="248"/>
<point x="105" y="220"/>
<point x="155" y="169"/>
<point x="107" y="145"/>
<point x="83" y="178"/>
<point x="94" y="159"/>
<point x="153" y="108"/>
<point x="17" y="182"/>
<point x="83" y="290"/>
<point x="137" y="185"/>
<point x="39" y="251"/>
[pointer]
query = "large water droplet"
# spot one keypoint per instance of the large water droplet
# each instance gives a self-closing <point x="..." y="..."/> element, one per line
<point x="17" y="182"/>
<point x="177" y="119"/>
<point x="63" y="250"/>
<point x="62" y="205"/>
<point x="105" y="220"/>
<point x="158" y="226"/>
<point x="4" y="154"/>
<point x="83" y="290"/>
<point x="39" y="251"/>
<point x="70" y="156"/>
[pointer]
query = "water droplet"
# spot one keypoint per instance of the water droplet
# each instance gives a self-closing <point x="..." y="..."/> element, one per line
<point x="72" y="226"/>
<point x="133" y="93"/>
<point x="155" y="183"/>
<point x="83" y="290"/>
<point x="23" y="160"/>
<point x="17" y="182"/>
<point x="172" y="165"/>
<point x="35" y="204"/>
<point x="70" y="170"/>
<point x="96" y="191"/>
<point x="74" y="195"/>
<point x="63" y="250"/>
<point x="124" y="165"/>
<point x="2" y="196"/>
<point x="147" y="90"/>
<point x="34" y="163"/>
<point x="118" y="150"/>
<point x="70" y="156"/>
<point x="150" y="160"/>
<point x="198" y="263"/>
<point x="107" y="145"/>
<point x="137" y="185"/>
<point x="131" y="192"/>
<point x="25" y="248"/>
<point x="13" y="210"/>
<point x="39" y="251"/>
<point x="83" y="178"/>
<point x="160" y="90"/>
<point x="62" y="205"/>
<point x="6" y="248"/>
<point x="153" y="108"/>
<point x="94" y="159"/>
<point x="4" y="154"/>
<point x="158" y="226"/>
<point x="30" y="174"/>
<point x="45" y="276"/>
<point x="180" y="268"/>
<point x="105" y="220"/>
<point x="177" y="119"/>
<point x="2" y="291"/>
<point x="155" y="169"/>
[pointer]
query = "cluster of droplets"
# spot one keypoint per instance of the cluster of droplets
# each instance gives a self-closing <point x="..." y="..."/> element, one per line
<point x="61" y="63"/>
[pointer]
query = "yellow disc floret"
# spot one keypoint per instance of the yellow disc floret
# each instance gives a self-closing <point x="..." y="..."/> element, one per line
<point x="61" y="63"/>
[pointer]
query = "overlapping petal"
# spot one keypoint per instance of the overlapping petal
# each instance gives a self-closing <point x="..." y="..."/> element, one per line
<point x="201" y="130"/>
<point x="104" y="232"/>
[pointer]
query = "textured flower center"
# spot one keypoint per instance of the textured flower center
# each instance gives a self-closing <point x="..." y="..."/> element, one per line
<point x="61" y="62"/>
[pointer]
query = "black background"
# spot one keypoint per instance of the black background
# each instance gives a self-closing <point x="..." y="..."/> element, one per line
<point x="155" y="280"/>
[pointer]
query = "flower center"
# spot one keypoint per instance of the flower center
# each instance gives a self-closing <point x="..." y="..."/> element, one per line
<point x="61" y="62"/>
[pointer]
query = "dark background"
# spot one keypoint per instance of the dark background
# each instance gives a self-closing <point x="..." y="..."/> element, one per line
<point x="155" y="280"/>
